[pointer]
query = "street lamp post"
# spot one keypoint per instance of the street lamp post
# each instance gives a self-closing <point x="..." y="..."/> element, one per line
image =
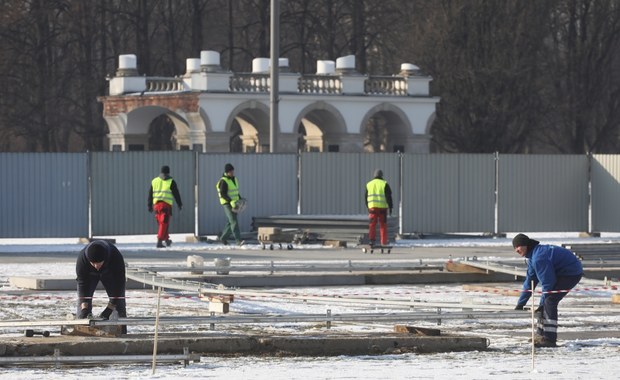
<point x="275" y="67"/>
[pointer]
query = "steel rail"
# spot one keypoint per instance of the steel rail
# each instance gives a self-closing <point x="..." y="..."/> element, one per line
<point x="504" y="268"/>
<point x="153" y="279"/>
<point x="44" y="322"/>
<point x="438" y="314"/>
<point x="295" y="268"/>
<point x="96" y="359"/>
<point x="302" y="318"/>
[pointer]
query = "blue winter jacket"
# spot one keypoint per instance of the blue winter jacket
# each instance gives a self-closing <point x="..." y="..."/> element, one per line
<point x="544" y="264"/>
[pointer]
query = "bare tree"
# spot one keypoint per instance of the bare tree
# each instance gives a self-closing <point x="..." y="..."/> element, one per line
<point x="584" y="44"/>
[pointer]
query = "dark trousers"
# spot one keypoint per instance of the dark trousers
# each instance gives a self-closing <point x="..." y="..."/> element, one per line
<point x="232" y="226"/>
<point x="163" y="212"/>
<point x="114" y="287"/>
<point x="548" y="325"/>
<point x="377" y="215"/>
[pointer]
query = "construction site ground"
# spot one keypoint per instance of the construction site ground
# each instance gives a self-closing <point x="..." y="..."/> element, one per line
<point x="310" y="339"/>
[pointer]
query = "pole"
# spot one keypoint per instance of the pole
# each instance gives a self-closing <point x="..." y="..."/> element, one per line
<point x="156" y="330"/>
<point x="533" y="325"/>
<point x="274" y="75"/>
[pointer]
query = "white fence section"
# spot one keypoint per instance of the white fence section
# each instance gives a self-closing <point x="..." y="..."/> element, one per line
<point x="605" y="175"/>
<point x="334" y="183"/>
<point x="105" y="193"/>
<point x="267" y="181"/>
<point x="43" y="195"/>
<point x="543" y="193"/>
<point x="120" y="186"/>
<point x="448" y="193"/>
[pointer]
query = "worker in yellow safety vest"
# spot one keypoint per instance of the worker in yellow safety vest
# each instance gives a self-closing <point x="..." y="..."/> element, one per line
<point x="378" y="198"/>
<point x="162" y="194"/>
<point x="228" y="193"/>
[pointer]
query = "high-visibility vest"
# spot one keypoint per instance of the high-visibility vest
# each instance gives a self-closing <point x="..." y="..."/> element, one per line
<point x="233" y="190"/>
<point x="161" y="190"/>
<point x="376" y="193"/>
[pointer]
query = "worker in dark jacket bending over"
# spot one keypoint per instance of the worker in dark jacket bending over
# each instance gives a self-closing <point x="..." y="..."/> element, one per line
<point x="557" y="269"/>
<point x="100" y="261"/>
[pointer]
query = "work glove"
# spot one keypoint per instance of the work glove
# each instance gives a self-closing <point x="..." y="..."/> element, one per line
<point x="83" y="314"/>
<point x="519" y="307"/>
<point x="150" y="208"/>
<point x="105" y="314"/>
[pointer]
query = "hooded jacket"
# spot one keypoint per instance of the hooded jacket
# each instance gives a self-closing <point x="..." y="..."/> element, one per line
<point x="113" y="269"/>
<point x="545" y="263"/>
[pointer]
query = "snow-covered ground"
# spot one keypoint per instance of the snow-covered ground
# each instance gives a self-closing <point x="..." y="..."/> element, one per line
<point x="588" y="314"/>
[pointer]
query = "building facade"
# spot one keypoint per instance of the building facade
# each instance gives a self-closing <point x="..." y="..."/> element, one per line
<point x="209" y="109"/>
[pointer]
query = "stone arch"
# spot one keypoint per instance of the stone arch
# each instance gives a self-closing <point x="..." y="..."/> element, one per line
<point x="385" y="128"/>
<point x="155" y="128"/>
<point x="429" y="123"/>
<point x="248" y="126"/>
<point x="321" y="127"/>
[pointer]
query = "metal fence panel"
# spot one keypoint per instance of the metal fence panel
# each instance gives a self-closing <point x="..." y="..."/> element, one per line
<point x="120" y="185"/>
<point x="448" y="193"/>
<point x="543" y="193"/>
<point x="477" y="193"/>
<point x="605" y="177"/>
<point x="334" y="183"/>
<point x="267" y="181"/>
<point x="44" y="195"/>
<point x="330" y="184"/>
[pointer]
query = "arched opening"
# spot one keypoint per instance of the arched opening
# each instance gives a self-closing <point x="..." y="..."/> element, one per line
<point x="385" y="130"/>
<point x="249" y="128"/>
<point x="162" y="134"/>
<point x="320" y="129"/>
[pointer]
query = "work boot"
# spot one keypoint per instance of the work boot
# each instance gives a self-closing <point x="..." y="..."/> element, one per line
<point x="241" y="243"/>
<point x="224" y="242"/>
<point x="160" y="244"/>
<point x="168" y="243"/>
<point x="537" y="338"/>
<point x="544" y="342"/>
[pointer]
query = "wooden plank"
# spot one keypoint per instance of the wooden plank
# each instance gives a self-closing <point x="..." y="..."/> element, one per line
<point x="452" y="266"/>
<point x="416" y="330"/>
<point x="491" y="289"/>
<point x="102" y="331"/>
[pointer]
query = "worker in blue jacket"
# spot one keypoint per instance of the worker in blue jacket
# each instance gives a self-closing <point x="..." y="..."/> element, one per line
<point x="556" y="269"/>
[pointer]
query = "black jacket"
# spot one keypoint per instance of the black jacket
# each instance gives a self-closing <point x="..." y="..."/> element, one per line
<point x="112" y="272"/>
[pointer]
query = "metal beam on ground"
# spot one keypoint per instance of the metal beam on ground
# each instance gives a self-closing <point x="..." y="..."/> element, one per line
<point x="503" y="268"/>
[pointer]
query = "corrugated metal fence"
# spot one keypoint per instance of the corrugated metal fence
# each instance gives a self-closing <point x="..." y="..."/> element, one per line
<point x="50" y="194"/>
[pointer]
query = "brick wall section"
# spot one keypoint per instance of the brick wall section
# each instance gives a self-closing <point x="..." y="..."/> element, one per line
<point x="114" y="105"/>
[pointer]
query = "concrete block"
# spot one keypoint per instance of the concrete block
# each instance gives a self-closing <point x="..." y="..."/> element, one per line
<point x="219" y="307"/>
<point x="56" y="283"/>
<point x="615" y="298"/>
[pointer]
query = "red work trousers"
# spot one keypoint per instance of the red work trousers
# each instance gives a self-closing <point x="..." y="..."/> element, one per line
<point x="379" y="214"/>
<point x="163" y="211"/>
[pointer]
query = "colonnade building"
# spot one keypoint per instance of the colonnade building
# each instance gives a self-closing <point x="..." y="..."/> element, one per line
<point x="209" y="109"/>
